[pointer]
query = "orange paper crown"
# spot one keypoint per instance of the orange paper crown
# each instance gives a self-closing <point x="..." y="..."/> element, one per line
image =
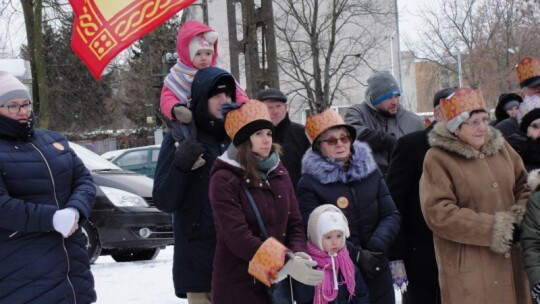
<point x="528" y="69"/>
<point x="267" y="261"/>
<point x="249" y="113"/>
<point x="319" y="123"/>
<point x="463" y="100"/>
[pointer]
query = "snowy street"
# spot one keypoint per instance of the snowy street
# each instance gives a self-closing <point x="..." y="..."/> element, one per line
<point x="138" y="282"/>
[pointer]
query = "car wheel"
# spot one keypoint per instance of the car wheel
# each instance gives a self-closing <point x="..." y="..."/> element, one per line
<point x="136" y="255"/>
<point x="92" y="241"/>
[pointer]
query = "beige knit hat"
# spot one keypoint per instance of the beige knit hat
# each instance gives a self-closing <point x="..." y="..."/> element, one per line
<point x="11" y="88"/>
<point x="324" y="219"/>
<point x="204" y="41"/>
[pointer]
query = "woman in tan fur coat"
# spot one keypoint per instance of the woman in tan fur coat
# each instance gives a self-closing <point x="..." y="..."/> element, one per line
<point x="473" y="193"/>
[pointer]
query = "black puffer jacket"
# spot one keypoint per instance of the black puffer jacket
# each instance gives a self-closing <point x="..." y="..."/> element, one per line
<point x="39" y="175"/>
<point x="186" y="194"/>
<point x="361" y="194"/>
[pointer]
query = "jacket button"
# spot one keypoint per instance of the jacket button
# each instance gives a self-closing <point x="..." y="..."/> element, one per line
<point x="495" y="185"/>
<point x="279" y="196"/>
<point x="507" y="255"/>
<point x="482" y="156"/>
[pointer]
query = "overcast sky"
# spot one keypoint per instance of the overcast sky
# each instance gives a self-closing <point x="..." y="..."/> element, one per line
<point x="16" y="35"/>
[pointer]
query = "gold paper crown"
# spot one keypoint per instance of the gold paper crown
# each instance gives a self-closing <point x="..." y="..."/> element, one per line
<point x="528" y="69"/>
<point x="463" y="100"/>
<point x="318" y="123"/>
<point x="251" y="111"/>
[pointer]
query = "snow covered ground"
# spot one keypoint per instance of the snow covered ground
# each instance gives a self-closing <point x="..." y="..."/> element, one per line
<point x="138" y="282"/>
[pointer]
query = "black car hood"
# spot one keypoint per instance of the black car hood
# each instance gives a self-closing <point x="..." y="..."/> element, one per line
<point x="124" y="180"/>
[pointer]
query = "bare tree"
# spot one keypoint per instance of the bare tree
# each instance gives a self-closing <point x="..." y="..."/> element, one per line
<point x="323" y="44"/>
<point x="488" y="37"/>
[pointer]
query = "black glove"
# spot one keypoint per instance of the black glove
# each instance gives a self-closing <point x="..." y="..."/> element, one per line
<point x="368" y="261"/>
<point x="187" y="152"/>
<point x="516" y="234"/>
<point x="536" y="293"/>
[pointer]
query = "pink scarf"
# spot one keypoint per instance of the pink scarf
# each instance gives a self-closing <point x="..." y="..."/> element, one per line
<point x="331" y="265"/>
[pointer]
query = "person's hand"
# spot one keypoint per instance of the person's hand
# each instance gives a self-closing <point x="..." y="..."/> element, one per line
<point x="182" y="114"/>
<point x="536" y="293"/>
<point x="301" y="269"/>
<point x="65" y="221"/>
<point x="368" y="261"/>
<point x="187" y="153"/>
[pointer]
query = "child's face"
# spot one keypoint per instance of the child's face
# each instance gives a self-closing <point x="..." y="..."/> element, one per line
<point x="332" y="242"/>
<point x="203" y="59"/>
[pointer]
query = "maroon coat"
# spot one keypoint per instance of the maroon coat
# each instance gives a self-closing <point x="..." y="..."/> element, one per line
<point x="237" y="230"/>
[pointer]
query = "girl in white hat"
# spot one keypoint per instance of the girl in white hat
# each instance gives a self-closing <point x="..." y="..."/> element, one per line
<point x="327" y="230"/>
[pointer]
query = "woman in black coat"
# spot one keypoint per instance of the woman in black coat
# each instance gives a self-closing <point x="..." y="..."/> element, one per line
<point x="46" y="193"/>
<point x="337" y="171"/>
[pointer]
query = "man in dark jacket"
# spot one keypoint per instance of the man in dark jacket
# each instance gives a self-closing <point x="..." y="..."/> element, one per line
<point x="290" y="135"/>
<point x="414" y="244"/>
<point x="179" y="189"/>
<point x="380" y="120"/>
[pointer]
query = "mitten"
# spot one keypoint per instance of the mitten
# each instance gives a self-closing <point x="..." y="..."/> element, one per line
<point x="536" y="293"/>
<point x="182" y="114"/>
<point x="301" y="270"/>
<point x="368" y="261"/>
<point x="64" y="220"/>
<point x="187" y="153"/>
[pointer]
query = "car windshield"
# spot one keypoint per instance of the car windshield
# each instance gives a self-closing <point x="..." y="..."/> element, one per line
<point x="93" y="161"/>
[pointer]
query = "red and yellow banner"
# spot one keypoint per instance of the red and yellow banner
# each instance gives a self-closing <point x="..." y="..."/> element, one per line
<point x="103" y="28"/>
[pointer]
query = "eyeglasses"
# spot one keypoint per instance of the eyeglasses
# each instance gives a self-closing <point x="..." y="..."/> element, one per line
<point x="332" y="141"/>
<point x="535" y="125"/>
<point x="477" y="122"/>
<point x="15" y="108"/>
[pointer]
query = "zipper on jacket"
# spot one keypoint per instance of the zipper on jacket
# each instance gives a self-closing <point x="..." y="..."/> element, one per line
<point x="58" y="206"/>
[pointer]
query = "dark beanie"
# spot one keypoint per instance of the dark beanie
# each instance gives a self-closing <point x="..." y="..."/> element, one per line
<point x="528" y="119"/>
<point x="381" y="86"/>
<point x="225" y="84"/>
<point x="271" y="93"/>
<point x="444" y="93"/>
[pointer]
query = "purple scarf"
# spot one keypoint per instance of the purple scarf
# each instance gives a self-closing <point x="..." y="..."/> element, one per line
<point x="331" y="265"/>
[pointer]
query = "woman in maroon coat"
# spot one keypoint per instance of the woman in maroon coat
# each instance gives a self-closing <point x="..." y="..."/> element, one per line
<point x="252" y="161"/>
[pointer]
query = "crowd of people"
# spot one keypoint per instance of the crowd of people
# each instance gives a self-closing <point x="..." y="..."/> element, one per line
<point x="265" y="209"/>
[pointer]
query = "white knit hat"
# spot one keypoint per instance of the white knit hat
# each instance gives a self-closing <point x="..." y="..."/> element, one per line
<point x="11" y="88"/>
<point x="204" y="41"/>
<point x="324" y="219"/>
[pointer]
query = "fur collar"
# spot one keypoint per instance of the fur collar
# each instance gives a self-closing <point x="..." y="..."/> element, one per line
<point x="533" y="180"/>
<point x="440" y="137"/>
<point x="328" y="171"/>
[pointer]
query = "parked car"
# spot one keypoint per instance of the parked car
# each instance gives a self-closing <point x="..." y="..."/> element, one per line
<point x="124" y="222"/>
<point x="142" y="160"/>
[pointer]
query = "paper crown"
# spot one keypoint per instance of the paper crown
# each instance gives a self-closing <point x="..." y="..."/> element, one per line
<point x="528" y="71"/>
<point x="463" y="100"/>
<point x="267" y="261"/>
<point x="246" y="120"/>
<point x="319" y="123"/>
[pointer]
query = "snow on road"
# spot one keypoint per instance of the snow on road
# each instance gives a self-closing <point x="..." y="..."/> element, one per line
<point x="145" y="282"/>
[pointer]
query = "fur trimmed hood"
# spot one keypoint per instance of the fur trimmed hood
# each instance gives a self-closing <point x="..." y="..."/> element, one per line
<point x="329" y="171"/>
<point x="442" y="138"/>
<point x="533" y="180"/>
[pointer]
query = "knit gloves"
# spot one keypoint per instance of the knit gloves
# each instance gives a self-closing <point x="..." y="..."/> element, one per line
<point x="182" y="114"/>
<point x="65" y="221"/>
<point x="368" y="262"/>
<point x="300" y="267"/>
<point x="536" y="293"/>
<point x="188" y="155"/>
